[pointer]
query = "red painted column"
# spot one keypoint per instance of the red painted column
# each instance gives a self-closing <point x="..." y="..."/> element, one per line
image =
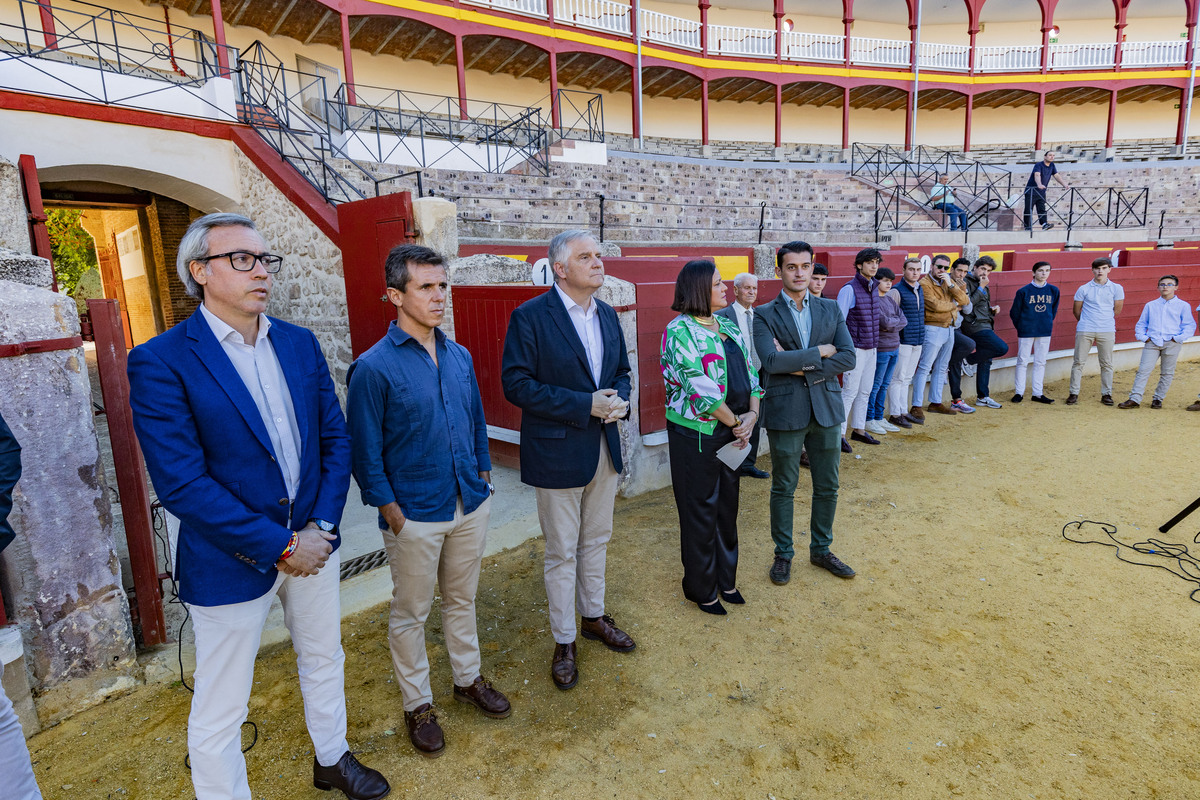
<point x="704" y="6"/>
<point x="1183" y="97"/>
<point x="47" y="15"/>
<point x="779" y="115"/>
<point x="778" y="14"/>
<point x="555" y="111"/>
<point x="637" y="103"/>
<point x="347" y="60"/>
<point x="704" y="111"/>
<point x="219" y="35"/>
<point x="967" y="124"/>
<point x="1118" y="56"/>
<point x="550" y="10"/>
<point x="459" y="65"/>
<point x="845" y="117"/>
<point x="1183" y="109"/>
<point x="908" y="115"/>
<point x="1112" y="118"/>
<point x="971" y="52"/>
<point x="847" y="25"/>
<point x="1041" y="117"/>
<point x="1046" y="48"/>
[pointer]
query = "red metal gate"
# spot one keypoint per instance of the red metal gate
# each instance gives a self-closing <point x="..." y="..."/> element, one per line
<point x="368" y="230"/>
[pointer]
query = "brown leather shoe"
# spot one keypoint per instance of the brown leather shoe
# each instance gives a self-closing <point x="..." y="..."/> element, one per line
<point x="1156" y="403"/>
<point x="899" y="420"/>
<point x="1194" y="406"/>
<point x="918" y="416"/>
<point x="562" y="667"/>
<point x="941" y="408"/>
<point x="605" y="630"/>
<point x="1072" y="399"/>
<point x="356" y="781"/>
<point x="865" y="438"/>
<point x="1129" y="404"/>
<point x="424" y="731"/>
<point x="1107" y="399"/>
<point x="912" y="419"/>
<point x="481" y="695"/>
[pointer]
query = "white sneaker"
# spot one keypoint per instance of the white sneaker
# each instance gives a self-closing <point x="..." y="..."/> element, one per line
<point x="987" y="401"/>
<point x="961" y="407"/>
<point x="874" y="427"/>
<point x="887" y="426"/>
<point x="969" y="369"/>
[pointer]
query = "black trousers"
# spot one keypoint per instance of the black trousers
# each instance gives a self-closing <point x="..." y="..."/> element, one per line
<point x="1034" y="197"/>
<point x="706" y="496"/>
<point x="963" y="346"/>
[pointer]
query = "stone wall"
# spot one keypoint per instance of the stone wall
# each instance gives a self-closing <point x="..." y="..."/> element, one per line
<point x="168" y="221"/>
<point x="62" y="572"/>
<point x="310" y="289"/>
<point x="14" y="230"/>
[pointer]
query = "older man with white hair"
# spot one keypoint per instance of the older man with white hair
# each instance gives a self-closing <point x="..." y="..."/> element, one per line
<point x="741" y="311"/>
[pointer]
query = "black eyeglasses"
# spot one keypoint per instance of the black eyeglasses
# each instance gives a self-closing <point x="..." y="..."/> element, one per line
<point x="243" y="261"/>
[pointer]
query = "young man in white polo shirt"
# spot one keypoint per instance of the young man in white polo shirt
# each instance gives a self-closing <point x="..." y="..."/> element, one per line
<point x="1097" y="304"/>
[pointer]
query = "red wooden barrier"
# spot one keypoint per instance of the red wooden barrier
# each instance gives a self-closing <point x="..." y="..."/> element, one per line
<point x="1150" y="258"/>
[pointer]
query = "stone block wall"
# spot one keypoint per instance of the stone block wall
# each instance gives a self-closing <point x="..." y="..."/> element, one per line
<point x="14" y="230"/>
<point x="168" y="221"/>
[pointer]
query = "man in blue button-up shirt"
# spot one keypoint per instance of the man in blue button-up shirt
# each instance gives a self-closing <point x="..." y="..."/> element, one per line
<point x="420" y="455"/>
<point x="1165" y="324"/>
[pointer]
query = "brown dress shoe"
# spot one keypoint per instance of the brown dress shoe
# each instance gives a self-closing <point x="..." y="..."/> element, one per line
<point x="605" y="630"/>
<point x="941" y="408"/>
<point x="355" y="781"/>
<point x="481" y="695"/>
<point x="899" y="420"/>
<point x="1129" y="404"/>
<point x="1072" y="399"/>
<point x="1107" y="400"/>
<point x="424" y="731"/>
<point x="912" y="419"/>
<point x="1156" y="403"/>
<point x="1194" y="406"/>
<point x="918" y="416"/>
<point x="562" y="667"/>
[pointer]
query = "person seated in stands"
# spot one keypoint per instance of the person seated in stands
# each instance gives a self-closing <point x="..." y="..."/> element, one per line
<point x="941" y="197"/>
<point x="816" y="284"/>
<point x="1165" y="324"/>
<point x="891" y="322"/>
<point x="1097" y="304"/>
<point x="1033" y="312"/>
<point x="963" y="345"/>
<point x="979" y="325"/>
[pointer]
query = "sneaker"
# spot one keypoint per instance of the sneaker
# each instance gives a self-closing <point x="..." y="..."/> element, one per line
<point x="987" y="401"/>
<point x="781" y="571"/>
<point x="832" y="563"/>
<point x="962" y="407"/>
<point x="874" y="426"/>
<point x="1048" y="226"/>
<point x="887" y="426"/>
<point x="1016" y="398"/>
<point x="969" y="369"/>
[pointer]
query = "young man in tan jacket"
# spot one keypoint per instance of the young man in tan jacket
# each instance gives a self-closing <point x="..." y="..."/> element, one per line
<point x="943" y="299"/>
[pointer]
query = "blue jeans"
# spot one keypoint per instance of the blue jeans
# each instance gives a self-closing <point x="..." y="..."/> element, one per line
<point x="958" y="216"/>
<point x="884" y="364"/>
<point x="935" y="357"/>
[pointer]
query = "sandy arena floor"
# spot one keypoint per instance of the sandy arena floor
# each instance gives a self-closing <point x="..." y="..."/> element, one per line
<point x="977" y="654"/>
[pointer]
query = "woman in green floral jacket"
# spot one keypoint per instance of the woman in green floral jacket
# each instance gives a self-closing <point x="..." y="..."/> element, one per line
<point x="712" y="400"/>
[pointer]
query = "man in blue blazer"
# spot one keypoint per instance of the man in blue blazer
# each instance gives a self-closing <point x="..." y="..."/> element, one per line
<point x="246" y="444"/>
<point x="565" y="366"/>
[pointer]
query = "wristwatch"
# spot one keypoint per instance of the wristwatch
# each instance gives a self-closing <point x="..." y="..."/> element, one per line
<point x="322" y="524"/>
<point x="491" y="488"/>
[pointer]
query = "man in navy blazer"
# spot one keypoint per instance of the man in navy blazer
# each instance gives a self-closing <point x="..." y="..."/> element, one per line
<point x="565" y="366"/>
<point x="246" y="444"/>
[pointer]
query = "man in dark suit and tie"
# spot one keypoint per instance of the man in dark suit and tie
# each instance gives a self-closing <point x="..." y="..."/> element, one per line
<point x="246" y="444"/>
<point x="565" y="366"/>
<point x="803" y="343"/>
<point x="741" y="312"/>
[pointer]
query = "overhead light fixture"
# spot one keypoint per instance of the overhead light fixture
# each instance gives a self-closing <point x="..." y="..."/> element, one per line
<point x="1054" y="32"/>
<point x="787" y="25"/>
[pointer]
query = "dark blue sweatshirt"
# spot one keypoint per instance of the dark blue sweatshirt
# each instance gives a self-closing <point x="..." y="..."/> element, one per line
<point x="1033" y="310"/>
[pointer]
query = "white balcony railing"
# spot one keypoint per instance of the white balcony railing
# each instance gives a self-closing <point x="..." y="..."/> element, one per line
<point x="675" y="31"/>
<point x="885" y="52"/>
<point x="1008" y="58"/>
<point x="1154" y="54"/>
<point x="530" y="8"/>
<point x="738" y="41"/>
<point x="600" y="15"/>
<point x="813" y="46"/>
<point x="1082" y="56"/>
<point x="945" y="56"/>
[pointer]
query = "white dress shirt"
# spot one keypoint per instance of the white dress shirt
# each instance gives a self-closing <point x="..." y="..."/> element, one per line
<point x="259" y="368"/>
<point x="587" y="325"/>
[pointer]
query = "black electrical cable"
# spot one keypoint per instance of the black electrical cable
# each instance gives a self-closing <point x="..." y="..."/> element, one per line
<point x="1174" y="557"/>
<point x="158" y="516"/>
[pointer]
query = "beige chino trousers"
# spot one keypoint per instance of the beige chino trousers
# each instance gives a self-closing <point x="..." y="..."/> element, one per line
<point x="450" y="552"/>
<point x="577" y="524"/>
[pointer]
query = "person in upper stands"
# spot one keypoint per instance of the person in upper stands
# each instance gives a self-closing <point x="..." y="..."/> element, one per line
<point x="1032" y="313"/>
<point x="912" y="338"/>
<point x="859" y="304"/>
<point x="1035" y="190"/>
<point x="891" y="322"/>
<point x="943" y="299"/>
<point x="963" y="345"/>
<point x="816" y="284"/>
<point x="1165" y="324"/>
<point x="941" y="197"/>
<point x="1097" y="304"/>
<point x="980" y="326"/>
<point x="741" y="312"/>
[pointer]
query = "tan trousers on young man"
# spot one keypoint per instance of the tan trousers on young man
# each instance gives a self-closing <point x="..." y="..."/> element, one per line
<point x="1104" y="349"/>
<point x="577" y="524"/>
<point x="451" y="552"/>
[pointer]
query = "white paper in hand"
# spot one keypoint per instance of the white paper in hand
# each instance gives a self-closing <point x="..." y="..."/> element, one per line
<point x="732" y="456"/>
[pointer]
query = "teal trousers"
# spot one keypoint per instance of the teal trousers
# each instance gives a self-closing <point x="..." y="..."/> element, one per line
<point x="824" y="456"/>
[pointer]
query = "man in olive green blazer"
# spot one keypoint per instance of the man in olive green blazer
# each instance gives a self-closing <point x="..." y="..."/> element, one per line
<point x="803" y="344"/>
